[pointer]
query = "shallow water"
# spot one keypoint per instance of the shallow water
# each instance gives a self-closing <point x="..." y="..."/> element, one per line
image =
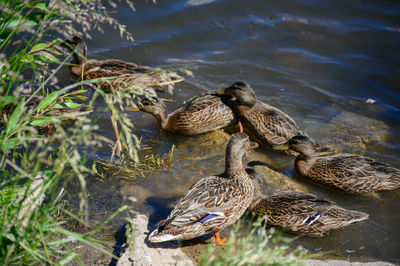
<point x="318" y="61"/>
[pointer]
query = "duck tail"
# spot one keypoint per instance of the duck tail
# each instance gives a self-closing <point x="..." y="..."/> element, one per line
<point x="357" y="216"/>
<point x="78" y="48"/>
<point x="321" y="150"/>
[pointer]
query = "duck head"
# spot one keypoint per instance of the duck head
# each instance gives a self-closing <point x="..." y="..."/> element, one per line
<point x="242" y="92"/>
<point x="154" y="106"/>
<point x="300" y="143"/>
<point x="236" y="148"/>
<point x="78" y="47"/>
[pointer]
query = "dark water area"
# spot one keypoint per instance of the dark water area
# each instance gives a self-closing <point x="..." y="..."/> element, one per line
<point x="331" y="65"/>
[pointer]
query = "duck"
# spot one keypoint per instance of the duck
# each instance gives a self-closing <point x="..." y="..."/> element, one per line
<point x="345" y="172"/>
<point x="214" y="202"/>
<point x="201" y="114"/>
<point x="266" y="124"/>
<point x="128" y="73"/>
<point x="304" y="213"/>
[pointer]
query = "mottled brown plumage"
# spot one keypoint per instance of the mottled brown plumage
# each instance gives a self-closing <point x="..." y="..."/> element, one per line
<point x="266" y="124"/>
<point x="214" y="202"/>
<point x="304" y="213"/>
<point x="129" y="74"/>
<point x="346" y="172"/>
<point x="199" y="115"/>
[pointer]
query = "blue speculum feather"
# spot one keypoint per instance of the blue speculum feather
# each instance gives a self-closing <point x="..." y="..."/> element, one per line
<point x="208" y="217"/>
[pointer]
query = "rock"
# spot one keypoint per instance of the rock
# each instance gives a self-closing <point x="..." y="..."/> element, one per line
<point x="351" y="131"/>
<point x="138" y="194"/>
<point x="204" y="146"/>
<point x="273" y="180"/>
<point x="141" y="252"/>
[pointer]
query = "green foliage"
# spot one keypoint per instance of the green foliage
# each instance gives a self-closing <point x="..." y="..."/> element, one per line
<point x="259" y="246"/>
<point x="36" y="169"/>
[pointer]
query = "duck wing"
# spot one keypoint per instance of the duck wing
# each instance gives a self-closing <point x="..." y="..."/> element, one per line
<point x="207" y="197"/>
<point x="356" y="173"/>
<point x="271" y="124"/>
<point x="113" y="67"/>
<point x="202" y="114"/>
<point x="305" y="213"/>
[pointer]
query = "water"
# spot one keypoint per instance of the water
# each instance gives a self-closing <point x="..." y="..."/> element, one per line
<point x="313" y="59"/>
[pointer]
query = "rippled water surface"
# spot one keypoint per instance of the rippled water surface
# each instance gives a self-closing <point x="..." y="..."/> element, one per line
<point x="334" y="66"/>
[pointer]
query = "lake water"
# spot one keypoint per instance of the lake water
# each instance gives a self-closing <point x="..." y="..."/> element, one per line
<point x="331" y="65"/>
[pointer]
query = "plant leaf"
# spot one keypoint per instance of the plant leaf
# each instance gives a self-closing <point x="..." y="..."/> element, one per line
<point x="41" y="6"/>
<point x="38" y="47"/>
<point x="41" y="121"/>
<point x="5" y="100"/>
<point x="15" y="117"/>
<point x="70" y="105"/>
<point x="49" y="99"/>
<point x="9" y="144"/>
<point x="68" y="259"/>
<point x="21" y="25"/>
<point x="11" y="237"/>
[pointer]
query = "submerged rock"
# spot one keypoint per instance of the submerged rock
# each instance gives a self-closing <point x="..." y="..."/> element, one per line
<point x="141" y="252"/>
<point x="352" y="132"/>
<point x="273" y="180"/>
<point x="204" y="146"/>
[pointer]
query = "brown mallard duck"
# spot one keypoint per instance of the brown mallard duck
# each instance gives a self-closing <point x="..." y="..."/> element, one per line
<point x="128" y="73"/>
<point x="304" y="213"/>
<point x="268" y="125"/>
<point x="214" y="202"/>
<point x="199" y="115"/>
<point x="346" y="172"/>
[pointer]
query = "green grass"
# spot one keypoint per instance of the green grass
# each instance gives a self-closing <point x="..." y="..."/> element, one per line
<point x="255" y="246"/>
<point x="37" y="169"/>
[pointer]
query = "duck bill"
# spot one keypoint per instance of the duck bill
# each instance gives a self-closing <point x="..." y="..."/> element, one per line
<point x="253" y="145"/>
<point x="222" y="92"/>
<point x="282" y="147"/>
<point x="133" y="110"/>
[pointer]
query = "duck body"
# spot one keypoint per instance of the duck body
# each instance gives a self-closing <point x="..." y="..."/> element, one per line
<point x="346" y="172"/>
<point x="266" y="124"/>
<point x="269" y="125"/>
<point x="304" y="213"/>
<point x="208" y="207"/>
<point x="126" y="73"/>
<point x="214" y="202"/>
<point x="201" y="114"/>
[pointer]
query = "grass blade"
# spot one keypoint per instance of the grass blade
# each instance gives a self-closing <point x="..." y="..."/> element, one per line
<point x="15" y="117"/>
